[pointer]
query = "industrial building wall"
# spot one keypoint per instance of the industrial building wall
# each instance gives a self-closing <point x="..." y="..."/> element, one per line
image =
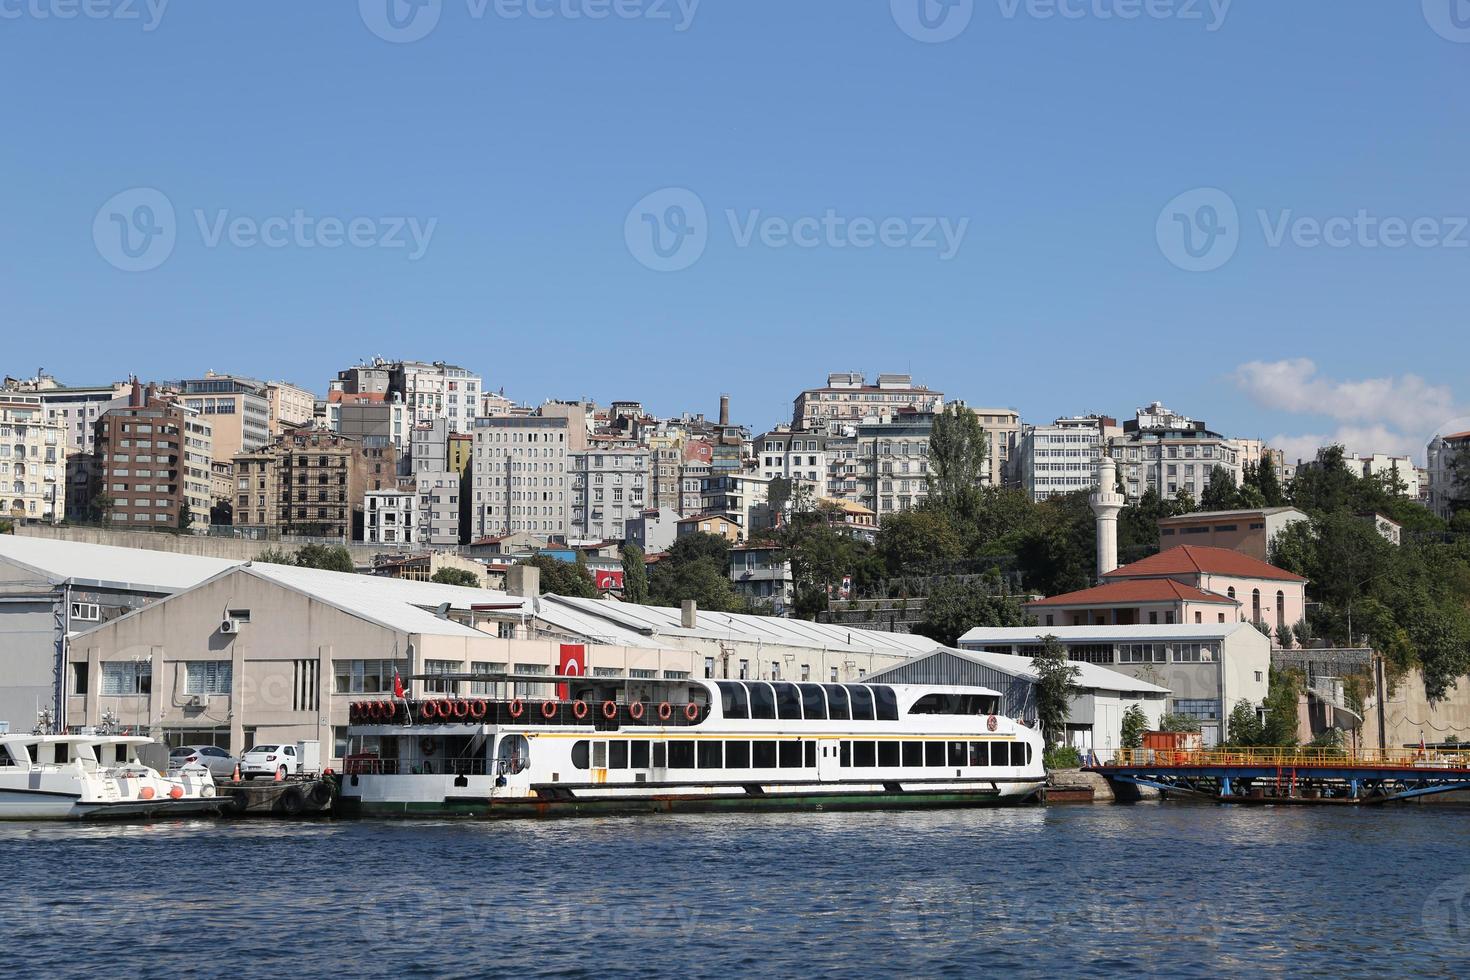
<point x="27" y="656"/>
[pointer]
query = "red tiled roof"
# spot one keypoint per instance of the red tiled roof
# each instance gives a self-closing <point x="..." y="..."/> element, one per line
<point x="1134" y="590"/>
<point x="1188" y="559"/>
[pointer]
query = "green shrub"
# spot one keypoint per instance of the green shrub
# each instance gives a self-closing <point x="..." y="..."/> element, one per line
<point x="1062" y="757"/>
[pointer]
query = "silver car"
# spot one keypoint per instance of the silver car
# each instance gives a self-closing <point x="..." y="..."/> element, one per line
<point x="220" y="763"/>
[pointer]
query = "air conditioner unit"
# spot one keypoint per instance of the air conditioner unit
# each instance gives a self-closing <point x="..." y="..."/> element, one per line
<point x="230" y="626"/>
<point x="194" y="701"/>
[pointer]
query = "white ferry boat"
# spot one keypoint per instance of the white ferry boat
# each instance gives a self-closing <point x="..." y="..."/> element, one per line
<point x="621" y="745"/>
<point x="76" y="777"/>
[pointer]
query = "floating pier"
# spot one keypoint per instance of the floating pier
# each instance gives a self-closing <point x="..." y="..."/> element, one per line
<point x="1292" y="776"/>
<point x="268" y="798"/>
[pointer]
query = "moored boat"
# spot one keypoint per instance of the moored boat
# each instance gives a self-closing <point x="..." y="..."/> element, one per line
<point x="81" y="777"/>
<point x="622" y="745"/>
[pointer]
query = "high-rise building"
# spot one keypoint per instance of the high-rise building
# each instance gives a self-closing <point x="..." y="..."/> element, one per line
<point x="797" y="456"/>
<point x="154" y="459"/>
<point x="238" y="411"/>
<point x="76" y="409"/>
<point x="1002" y="427"/>
<point x="609" y="487"/>
<point x="1062" y="457"/>
<point x="520" y="474"/>
<point x="1170" y="454"/>
<point x="848" y="398"/>
<point x="32" y="459"/>
<point x="893" y="463"/>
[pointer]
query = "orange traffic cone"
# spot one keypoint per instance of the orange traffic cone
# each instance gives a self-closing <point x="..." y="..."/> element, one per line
<point x="278" y="775"/>
<point x="236" y="777"/>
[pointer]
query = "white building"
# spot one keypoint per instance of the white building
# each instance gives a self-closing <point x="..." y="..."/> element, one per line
<point x="1062" y="457"/>
<point x="1443" y="489"/>
<point x="522" y="475"/>
<point x="1384" y="465"/>
<point x="437" y="391"/>
<point x="609" y="488"/>
<point x="849" y="399"/>
<point x="76" y="409"/>
<point x="654" y="530"/>
<point x="1170" y="454"/>
<point x="389" y="517"/>
<point x="796" y="456"/>
<point x="32" y="459"/>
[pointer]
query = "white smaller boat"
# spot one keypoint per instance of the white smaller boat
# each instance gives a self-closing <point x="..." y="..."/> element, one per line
<point x="78" y="777"/>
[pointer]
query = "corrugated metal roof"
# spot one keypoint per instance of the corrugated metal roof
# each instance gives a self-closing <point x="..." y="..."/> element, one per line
<point x="131" y="569"/>
<point x="1103" y="634"/>
<point x="978" y="666"/>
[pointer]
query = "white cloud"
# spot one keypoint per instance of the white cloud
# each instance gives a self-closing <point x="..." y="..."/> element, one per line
<point x="1395" y="414"/>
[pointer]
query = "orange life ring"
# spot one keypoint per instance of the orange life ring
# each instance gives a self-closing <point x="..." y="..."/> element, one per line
<point x="378" y="712"/>
<point x="461" y="709"/>
<point x="428" y="710"/>
<point x="635" y="710"/>
<point x="517" y="707"/>
<point x="691" y="711"/>
<point x="478" y="708"/>
<point x="609" y="710"/>
<point x="549" y="709"/>
<point x="446" y="708"/>
<point x="664" y="711"/>
<point x="579" y="708"/>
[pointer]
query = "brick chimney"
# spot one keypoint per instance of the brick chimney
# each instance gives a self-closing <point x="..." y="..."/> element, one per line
<point x="724" y="409"/>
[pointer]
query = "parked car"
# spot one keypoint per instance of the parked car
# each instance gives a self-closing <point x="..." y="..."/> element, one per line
<point x="220" y="763"/>
<point x="268" y="760"/>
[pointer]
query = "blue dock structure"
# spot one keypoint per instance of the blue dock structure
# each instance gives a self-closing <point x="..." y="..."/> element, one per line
<point x="1292" y="775"/>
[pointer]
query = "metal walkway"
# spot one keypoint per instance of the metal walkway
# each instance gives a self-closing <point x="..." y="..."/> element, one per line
<point x="1279" y="776"/>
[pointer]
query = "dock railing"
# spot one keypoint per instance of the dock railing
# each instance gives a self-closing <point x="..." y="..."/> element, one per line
<point x="1291" y="757"/>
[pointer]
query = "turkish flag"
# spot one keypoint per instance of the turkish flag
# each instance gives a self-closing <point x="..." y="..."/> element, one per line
<point x="573" y="664"/>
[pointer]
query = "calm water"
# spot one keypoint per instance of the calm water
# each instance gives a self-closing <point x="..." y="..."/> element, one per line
<point x="1098" y="890"/>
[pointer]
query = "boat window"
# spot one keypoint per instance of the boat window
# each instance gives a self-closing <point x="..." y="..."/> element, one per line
<point x="711" y="755"/>
<point x="810" y="751"/>
<point x="660" y="755"/>
<point x="762" y="700"/>
<point x="979" y="753"/>
<point x="580" y="754"/>
<point x="763" y="755"/>
<point x="864" y="755"/>
<point x="788" y="702"/>
<point x="514" y="754"/>
<point x="681" y="754"/>
<point x="737" y="755"/>
<point x="958" y="753"/>
<point x="599" y="755"/>
<point x="617" y="755"/>
<point x="933" y="753"/>
<point x="887" y="702"/>
<point x="837" y="708"/>
<point x="813" y="705"/>
<point x="862" y="702"/>
<point x="844" y="755"/>
<point x="639" y="753"/>
<point x="733" y="700"/>
<point x="1018" y="753"/>
<point x="913" y="753"/>
<point x="790" y="755"/>
<point x="1028" y="755"/>
<point x="888" y="753"/>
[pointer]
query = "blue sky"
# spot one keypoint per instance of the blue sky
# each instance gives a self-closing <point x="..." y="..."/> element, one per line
<point x="1067" y="155"/>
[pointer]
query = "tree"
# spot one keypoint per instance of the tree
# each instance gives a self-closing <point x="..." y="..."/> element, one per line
<point x="102" y="507"/>
<point x="462" y="577"/>
<point x="6" y="527"/>
<point x="1056" y="686"/>
<point x="635" y="575"/>
<point x="957" y="448"/>
<point x="1302" y="632"/>
<point x="918" y="540"/>
<point x="1284" y="635"/>
<point x="1281" y="710"/>
<point x="331" y="557"/>
<point x="1135" y="723"/>
<point x="564" y="578"/>
<point x="1060" y="553"/>
<point x="186" y="517"/>
<point x="1221" y="493"/>
<point x="1172" y="722"/>
<point x="275" y="556"/>
<point x="704" y="580"/>
<point x="954" y="608"/>
<point x="1243" y="727"/>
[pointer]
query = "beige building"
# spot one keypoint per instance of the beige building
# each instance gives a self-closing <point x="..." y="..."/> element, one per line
<point x="32" y="459"/>
<point x="522" y="473"/>
<point x="1003" y="433"/>
<point x="289" y="405"/>
<point x="237" y="409"/>
<point x="848" y="398"/>
<point x="1249" y="532"/>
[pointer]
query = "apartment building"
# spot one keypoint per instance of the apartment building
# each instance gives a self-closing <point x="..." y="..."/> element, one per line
<point x="237" y="409"/>
<point x="609" y="488"/>
<point x="389" y="517"/>
<point x="154" y="463"/>
<point x="521" y="474"/>
<point x="1446" y="487"/>
<point x="437" y="390"/>
<point x="76" y="408"/>
<point x="893" y="463"/>
<point x="311" y="482"/>
<point x="33" y="449"/>
<point x="1170" y="454"/>
<point x="848" y="398"/>
<point x="796" y="456"/>
<point x="1062" y="457"/>
<point x="1002" y="428"/>
<point x="288" y="405"/>
<point x="370" y="415"/>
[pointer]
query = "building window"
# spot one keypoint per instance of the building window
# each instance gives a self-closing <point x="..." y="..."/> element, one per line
<point x="128" y="677"/>
<point x="362" y="676"/>
<point x="1200" y="709"/>
<point x="86" y="611"/>
<point x="709" y="667"/>
<point x="207" y="677"/>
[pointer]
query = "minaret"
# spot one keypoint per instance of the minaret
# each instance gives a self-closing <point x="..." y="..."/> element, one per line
<point x="1106" y="503"/>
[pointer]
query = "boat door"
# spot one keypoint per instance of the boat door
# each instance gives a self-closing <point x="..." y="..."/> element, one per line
<point x="828" y="770"/>
<point x="599" y="760"/>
